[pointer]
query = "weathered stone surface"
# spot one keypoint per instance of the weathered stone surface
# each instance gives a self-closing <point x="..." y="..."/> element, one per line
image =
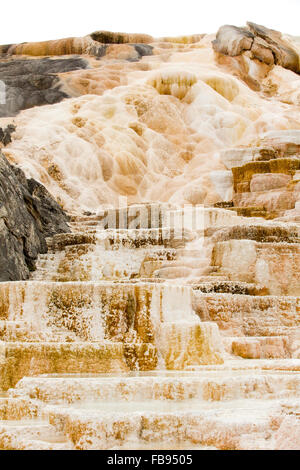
<point x="266" y="45"/>
<point x="232" y="40"/>
<point x="288" y="435"/>
<point x="268" y="181"/>
<point x="244" y="174"/>
<point x="5" y="134"/>
<point x="285" y="143"/>
<point x="108" y="37"/>
<point x="271" y="42"/>
<point x="276" y="265"/>
<point x="27" y="215"/>
<point x="237" y="156"/>
<point x="271" y="233"/>
<point x="243" y="315"/>
<point x="261" y="347"/>
<point x="51" y="216"/>
<point x="34" y="82"/>
<point x="262" y="51"/>
<point x="275" y="202"/>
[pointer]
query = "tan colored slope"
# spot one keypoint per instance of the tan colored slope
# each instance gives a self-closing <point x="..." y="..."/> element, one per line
<point x="152" y="129"/>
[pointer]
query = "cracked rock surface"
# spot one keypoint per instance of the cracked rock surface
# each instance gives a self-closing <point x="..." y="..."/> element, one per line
<point x="28" y="214"/>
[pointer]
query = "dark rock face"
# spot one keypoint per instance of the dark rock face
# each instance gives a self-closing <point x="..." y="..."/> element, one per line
<point x="143" y="49"/>
<point x="5" y="134"/>
<point x="34" y="82"/>
<point x="109" y="37"/>
<point x="264" y="44"/>
<point x="52" y="217"/>
<point x="28" y="214"/>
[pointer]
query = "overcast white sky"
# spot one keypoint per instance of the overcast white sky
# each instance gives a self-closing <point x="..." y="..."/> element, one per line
<point x="37" y="20"/>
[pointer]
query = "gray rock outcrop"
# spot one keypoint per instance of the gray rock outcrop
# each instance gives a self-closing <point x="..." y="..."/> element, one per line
<point x="34" y="82"/>
<point x="264" y="44"/>
<point x="28" y="214"/>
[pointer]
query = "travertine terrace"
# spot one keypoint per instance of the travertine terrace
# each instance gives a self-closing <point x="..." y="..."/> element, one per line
<point x="169" y="316"/>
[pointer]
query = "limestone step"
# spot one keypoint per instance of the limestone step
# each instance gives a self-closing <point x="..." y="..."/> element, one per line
<point x="98" y="311"/>
<point x="243" y="315"/>
<point x="113" y="425"/>
<point x="276" y="265"/>
<point x="17" y="408"/>
<point x="244" y="173"/>
<point x="134" y="238"/>
<point x="28" y="359"/>
<point x="30" y="300"/>
<point x="209" y="285"/>
<point x="113" y="412"/>
<point x="89" y="223"/>
<point x="94" y="262"/>
<point x="16" y="330"/>
<point x="270" y="232"/>
<point x="254" y="211"/>
<point x="90" y="263"/>
<point x="168" y="387"/>
<point x="182" y="270"/>
<point x="260" y="347"/>
<point x="31" y="435"/>
<point x="137" y="215"/>
<point x="195" y="218"/>
<point x="30" y="332"/>
<point x="235" y="364"/>
<point x="283" y="142"/>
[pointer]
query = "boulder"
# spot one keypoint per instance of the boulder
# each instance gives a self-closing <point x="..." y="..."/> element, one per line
<point x="233" y="41"/>
<point x="271" y="42"/>
<point x="264" y="44"/>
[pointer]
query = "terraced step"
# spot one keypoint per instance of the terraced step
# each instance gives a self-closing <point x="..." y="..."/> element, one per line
<point x="176" y="387"/>
<point x="283" y="142"/>
<point x="244" y="174"/>
<point x="104" y="255"/>
<point x="238" y="424"/>
<point x="16" y="330"/>
<point x="28" y="359"/>
<point x="254" y="211"/>
<point x="270" y="232"/>
<point x="111" y="425"/>
<point x="243" y="315"/>
<point x="234" y="364"/>
<point x="89" y="262"/>
<point x="259" y="347"/>
<point x="156" y="216"/>
<point x="132" y="238"/>
<point x="210" y="285"/>
<point x="275" y="265"/>
<point x="31" y="435"/>
<point x="17" y="408"/>
<point x="114" y="364"/>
